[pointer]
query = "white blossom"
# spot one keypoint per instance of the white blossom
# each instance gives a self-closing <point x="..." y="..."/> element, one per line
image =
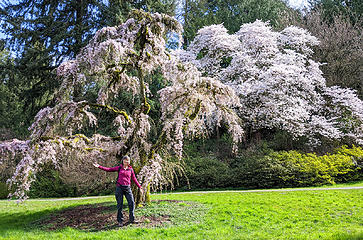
<point x="279" y="85"/>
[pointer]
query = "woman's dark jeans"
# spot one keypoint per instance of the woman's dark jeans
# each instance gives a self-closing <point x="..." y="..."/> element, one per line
<point x="120" y="192"/>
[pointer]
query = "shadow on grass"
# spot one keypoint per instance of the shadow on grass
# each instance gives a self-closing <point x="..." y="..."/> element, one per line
<point x="101" y="217"/>
<point x="89" y="217"/>
<point x="64" y="217"/>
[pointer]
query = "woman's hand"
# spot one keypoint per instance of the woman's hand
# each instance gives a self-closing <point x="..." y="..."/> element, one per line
<point x="96" y="165"/>
<point x="141" y="191"/>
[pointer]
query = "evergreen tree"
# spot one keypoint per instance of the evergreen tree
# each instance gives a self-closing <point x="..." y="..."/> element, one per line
<point x="11" y="117"/>
<point x="232" y="13"/>
<point x="351" y="9"/>
<point x="116" y="12"/>
<point x="43" y="34"/>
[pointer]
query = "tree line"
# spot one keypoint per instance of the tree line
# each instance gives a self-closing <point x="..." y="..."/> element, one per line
<point x="42" y="34"/>
<point x="57" y="59"/>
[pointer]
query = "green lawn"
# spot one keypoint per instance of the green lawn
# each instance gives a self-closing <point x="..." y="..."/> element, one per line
<point x="333" y="214"/>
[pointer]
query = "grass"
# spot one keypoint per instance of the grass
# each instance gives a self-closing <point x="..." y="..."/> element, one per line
<point x="333" y="214"/>
<point x="338" y="185"/>
<point x="181" y="213"/>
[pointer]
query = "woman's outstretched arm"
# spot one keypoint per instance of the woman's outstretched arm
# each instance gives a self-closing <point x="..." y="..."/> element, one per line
<point x="113" y="169"/>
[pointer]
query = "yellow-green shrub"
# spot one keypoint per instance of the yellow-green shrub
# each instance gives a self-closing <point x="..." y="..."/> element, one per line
<point x="311" y="169"/>
<point x="265" y="168"/>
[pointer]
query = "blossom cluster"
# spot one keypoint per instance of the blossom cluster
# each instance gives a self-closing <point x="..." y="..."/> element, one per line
<point x="279" y="85"/>
<point x="12" y="148"/>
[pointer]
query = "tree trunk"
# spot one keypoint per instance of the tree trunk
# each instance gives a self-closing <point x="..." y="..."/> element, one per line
<point x="218" y="133"/>
<point x="256" y="137"/>
<point x="140" y="199"/>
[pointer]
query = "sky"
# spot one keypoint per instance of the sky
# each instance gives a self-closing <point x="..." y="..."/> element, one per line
<point x="297" y="4"/>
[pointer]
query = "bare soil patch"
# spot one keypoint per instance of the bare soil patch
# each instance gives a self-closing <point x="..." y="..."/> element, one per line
<point x="98" y="217"/>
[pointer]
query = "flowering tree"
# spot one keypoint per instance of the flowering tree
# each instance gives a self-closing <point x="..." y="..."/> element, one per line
<point x="265" y="78"/>
<point x="117" y="60"/>
<point x="279" y="85"/>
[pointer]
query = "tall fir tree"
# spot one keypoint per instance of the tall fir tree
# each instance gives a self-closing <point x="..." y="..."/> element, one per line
<point x="116" y="12"/>
<point x="232" y="13"/>
<point x="10" y="103"/>
<point x="350" y="9"/>
<point x="45" y="33"/>
<point x="42" y="34"/>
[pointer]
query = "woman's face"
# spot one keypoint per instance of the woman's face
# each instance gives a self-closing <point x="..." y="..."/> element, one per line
<point x="126" y="162"/>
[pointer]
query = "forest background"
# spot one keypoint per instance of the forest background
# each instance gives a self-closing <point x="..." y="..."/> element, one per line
<point x="43" y="34"/>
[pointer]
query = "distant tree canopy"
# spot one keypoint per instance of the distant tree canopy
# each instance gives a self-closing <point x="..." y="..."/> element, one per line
<point x="43" y="34"/>
<point x="340" y="49"/>
<point x="59" y="29"/>
<point x="117" y="11"/>
<point x="232" y="13"/>
<point x="11" y="119"/>
<point x="338" y="26"/>
<point x="350" y="9"/>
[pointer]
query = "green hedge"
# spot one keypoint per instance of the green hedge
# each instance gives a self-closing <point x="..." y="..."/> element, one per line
<point x="356" y="154"/>
<point x="49" y="184"/>
<point x="262" y="167"/>
<point x="206" y="173"/>
<point x="295" y="169"/>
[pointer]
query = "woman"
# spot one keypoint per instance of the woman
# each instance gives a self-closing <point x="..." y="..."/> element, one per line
<point x="125" y="174"/>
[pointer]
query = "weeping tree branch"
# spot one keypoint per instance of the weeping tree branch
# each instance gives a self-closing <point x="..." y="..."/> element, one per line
<point x="113" y="109"/>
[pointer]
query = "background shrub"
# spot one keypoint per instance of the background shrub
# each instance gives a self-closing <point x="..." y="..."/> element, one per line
<point x="252" y="169"/>
<point x="207" y="173"/>
<point x="262" y="167"/>
<point x="49" y="184"/>
<point x="210" y="164"/>
<point x="310" y="169"/>
<point x="3" y="190"/>
<point x="356" y="154"/>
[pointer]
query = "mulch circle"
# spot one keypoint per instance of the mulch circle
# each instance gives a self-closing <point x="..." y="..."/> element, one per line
<point x="97" y="217"/>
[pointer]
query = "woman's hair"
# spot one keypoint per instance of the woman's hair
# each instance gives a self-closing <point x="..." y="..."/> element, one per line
<point x="126" y="158"/>
<point x="121" y="157"/>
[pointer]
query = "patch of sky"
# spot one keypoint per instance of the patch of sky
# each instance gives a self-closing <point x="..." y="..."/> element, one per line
<point x="4" y="3"/>
<point x="298" y="4"/>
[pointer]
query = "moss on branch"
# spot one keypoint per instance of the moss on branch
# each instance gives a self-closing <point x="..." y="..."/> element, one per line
<point x="117" y="75"/>
<point x="196" y="110"/>
<point x="75" y="138"/>
<point x="91" y="149"/>
<point x="146" y="107"/>
<point x="113" y="109"/>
